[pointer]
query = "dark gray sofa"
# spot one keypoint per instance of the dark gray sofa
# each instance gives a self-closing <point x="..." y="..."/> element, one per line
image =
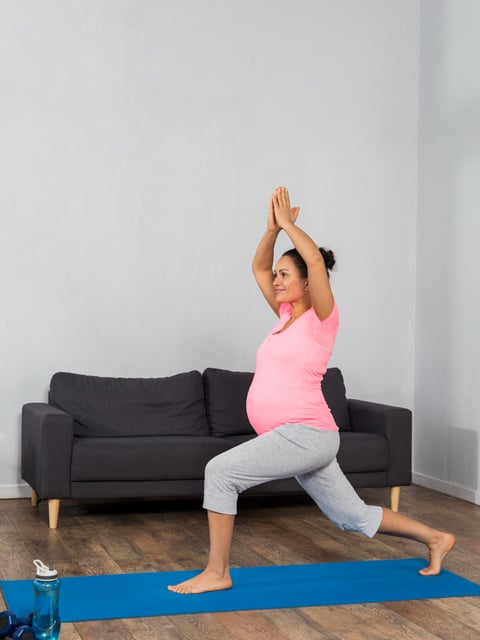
<point x="101" y="437"/>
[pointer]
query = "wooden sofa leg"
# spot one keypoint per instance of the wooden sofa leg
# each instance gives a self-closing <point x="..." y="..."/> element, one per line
<point x="53" y="511"/>
<point x="394" y="498"/>
<point x="35" y="498"/>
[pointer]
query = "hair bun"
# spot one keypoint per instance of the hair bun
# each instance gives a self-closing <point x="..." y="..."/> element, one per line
<point x="329" y="257"/>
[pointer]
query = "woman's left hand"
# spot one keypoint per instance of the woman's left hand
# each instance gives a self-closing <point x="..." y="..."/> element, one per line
<point x="284" y="213"/>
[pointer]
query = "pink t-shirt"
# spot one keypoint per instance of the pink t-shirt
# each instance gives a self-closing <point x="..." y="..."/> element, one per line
<point x="290" y="367"/>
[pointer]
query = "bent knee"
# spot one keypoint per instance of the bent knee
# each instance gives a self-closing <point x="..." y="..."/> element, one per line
<point x="218" y="473"/>
<point x="364" y="519"/>
<point x="216" y="467"/>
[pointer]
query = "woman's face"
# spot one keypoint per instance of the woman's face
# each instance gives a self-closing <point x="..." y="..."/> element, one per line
<point x="288" y="284"/>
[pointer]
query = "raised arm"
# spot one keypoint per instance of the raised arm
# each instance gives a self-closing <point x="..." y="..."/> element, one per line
<point x="262" y="265"/>
<point x="319" y="289"/>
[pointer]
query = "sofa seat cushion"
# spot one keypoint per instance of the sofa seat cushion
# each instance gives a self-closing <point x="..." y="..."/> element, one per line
<point x="112" y="407"/>
<point x="143" y="458"/>
<point x="236" y="440"/>
<point x="361" y="452"/>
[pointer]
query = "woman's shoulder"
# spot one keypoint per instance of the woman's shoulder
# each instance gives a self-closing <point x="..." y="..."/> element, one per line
<point x="327" y="324"/>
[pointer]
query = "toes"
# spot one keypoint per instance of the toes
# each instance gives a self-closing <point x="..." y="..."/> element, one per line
<point x="177" y="588"/>
<point x="429" y="572"/>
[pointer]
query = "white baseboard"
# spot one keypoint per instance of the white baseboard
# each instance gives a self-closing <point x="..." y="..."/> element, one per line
<point x="469" y="495"/>
<point x="15" y="491"/>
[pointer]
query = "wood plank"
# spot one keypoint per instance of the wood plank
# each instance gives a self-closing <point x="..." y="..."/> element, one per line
<point x="376" y="622"/>
<point x="245" y="625"/>
<point x="429" y="615"/>
<point x="206" y="625"/>
<point x="465" y="610"/>
<point x="293" y="623"/>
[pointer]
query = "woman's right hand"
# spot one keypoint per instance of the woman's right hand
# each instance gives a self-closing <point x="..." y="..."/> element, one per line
<point x="271" y="220"/>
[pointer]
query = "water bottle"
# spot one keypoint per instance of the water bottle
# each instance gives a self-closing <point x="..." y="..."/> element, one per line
<point x="46" y="615"/>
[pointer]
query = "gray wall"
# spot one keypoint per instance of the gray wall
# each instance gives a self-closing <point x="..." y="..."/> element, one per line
<point x="140" y="142"/>
<point x="447" y="363"/>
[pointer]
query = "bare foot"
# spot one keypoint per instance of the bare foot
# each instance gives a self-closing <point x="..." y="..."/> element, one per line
<point x="203" y="582"/>
<point x="439" y="547"/>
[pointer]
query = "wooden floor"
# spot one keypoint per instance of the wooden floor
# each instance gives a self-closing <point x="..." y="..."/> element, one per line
<point x="117" y="537"/>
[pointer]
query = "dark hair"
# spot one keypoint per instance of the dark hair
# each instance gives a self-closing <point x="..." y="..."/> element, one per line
<point x="328" y="258"/>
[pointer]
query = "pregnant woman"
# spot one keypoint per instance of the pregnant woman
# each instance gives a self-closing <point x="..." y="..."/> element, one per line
<point x="297" y="435"/>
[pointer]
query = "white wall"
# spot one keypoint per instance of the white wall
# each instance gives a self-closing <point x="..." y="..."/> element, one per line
<point x="139" y="144"/>
<point x="447" y="363"/>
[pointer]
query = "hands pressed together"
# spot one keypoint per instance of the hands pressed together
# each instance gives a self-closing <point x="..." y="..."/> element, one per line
<point x="280" y="213"/>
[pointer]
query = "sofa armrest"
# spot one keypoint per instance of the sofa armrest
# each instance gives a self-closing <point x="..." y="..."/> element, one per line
<point x="47" y="439"/>
<point x="395" y="424"/>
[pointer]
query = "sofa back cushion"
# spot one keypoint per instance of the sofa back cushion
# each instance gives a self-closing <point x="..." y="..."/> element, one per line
<point x="225" y="400"/>
<point x="334" y="393"/>
<point x="110" y="407"/>
<point x="226" y="394"/>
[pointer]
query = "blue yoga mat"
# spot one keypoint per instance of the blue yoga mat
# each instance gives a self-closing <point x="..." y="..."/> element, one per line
<point x="137" y="595"/>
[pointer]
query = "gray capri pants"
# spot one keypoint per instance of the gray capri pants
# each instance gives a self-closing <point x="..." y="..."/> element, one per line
<point x="291" y="450"/>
